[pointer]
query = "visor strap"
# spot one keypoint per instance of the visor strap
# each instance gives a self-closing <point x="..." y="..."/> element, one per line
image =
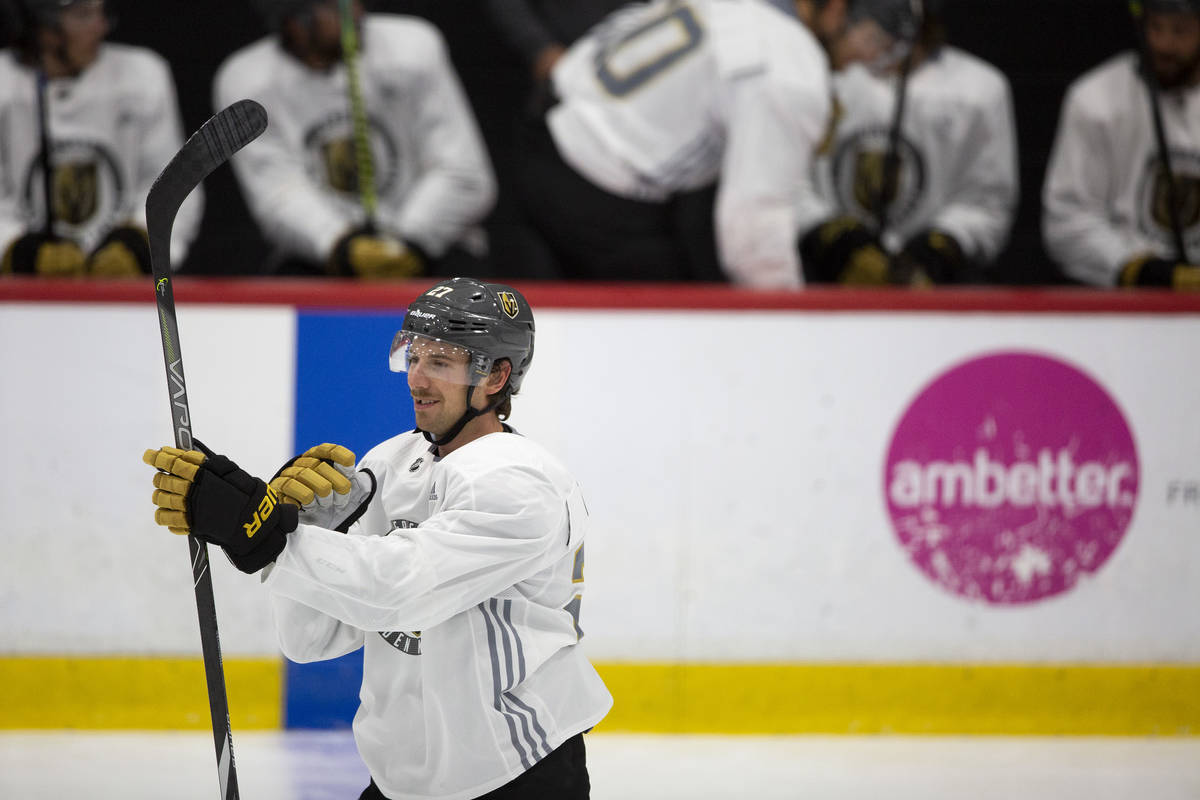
<point x="468" y="415"/>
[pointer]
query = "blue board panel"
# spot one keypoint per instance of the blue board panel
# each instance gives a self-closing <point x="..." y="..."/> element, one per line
<point x="344" y="394"/>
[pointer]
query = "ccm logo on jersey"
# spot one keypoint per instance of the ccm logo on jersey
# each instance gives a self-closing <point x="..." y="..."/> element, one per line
<point x="508" y="302"/>
<point x="265" y="507"/>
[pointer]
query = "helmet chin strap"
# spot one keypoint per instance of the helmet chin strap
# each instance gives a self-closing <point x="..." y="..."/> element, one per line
<point x="468" y="415"/>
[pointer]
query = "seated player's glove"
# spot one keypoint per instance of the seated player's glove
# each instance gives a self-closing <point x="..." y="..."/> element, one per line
<point x="209" y="496"/>
<point x="125" y="252"/>
<point x="368" y="254"/>
<point x="323" y="481"/>
<point x="1149" y="270"/>
<point x="930" y="257"/>
<point x="45" y="255"/>
<point x="843" y="250"/>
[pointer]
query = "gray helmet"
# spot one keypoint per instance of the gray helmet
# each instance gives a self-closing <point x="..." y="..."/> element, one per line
<point x="490" y="320"/>
<point x="900" y="18"/>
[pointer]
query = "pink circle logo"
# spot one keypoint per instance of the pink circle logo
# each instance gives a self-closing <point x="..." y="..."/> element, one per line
<point x="1010" y="477"/>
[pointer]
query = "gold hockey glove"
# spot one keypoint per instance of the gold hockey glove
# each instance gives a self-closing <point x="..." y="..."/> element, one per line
<point x="843" y="250"/>
<point x="209" y="496"/>
<point x="125" y="252"/>
<point x="40" y="254"/>
<point x="1150" y="270"/>
<point x="369" y="255"/>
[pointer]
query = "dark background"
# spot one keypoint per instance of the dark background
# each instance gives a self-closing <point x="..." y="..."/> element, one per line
<point x="1040" y="44"/>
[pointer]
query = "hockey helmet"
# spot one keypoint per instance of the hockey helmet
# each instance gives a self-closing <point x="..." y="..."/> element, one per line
<point x="490" y="321"/>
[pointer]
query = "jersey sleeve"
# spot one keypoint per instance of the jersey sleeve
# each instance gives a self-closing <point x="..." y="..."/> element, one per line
<point x="766" y="186"/>
<point x="981" y="208"/>
<point x="1076" y="224"/>
<point x="456" y="187"/>
<point x="493" y="531"/>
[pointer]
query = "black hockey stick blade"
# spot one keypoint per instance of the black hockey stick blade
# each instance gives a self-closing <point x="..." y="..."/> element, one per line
<point x="226" y="132"/>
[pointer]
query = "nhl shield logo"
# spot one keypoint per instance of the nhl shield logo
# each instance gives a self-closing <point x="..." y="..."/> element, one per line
<point x="508" y="302"/>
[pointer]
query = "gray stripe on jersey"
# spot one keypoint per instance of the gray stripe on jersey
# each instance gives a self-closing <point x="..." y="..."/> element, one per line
<point x="497" y="691"/>
<point x="506" y="629"/>
<point x="521" y="671"/>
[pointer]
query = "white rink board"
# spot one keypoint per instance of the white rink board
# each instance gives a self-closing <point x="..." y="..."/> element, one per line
<point x="84" y="393"/>
<point x="732" y="462"/>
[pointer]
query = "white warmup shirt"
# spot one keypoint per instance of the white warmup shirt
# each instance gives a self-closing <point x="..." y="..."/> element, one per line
<point x="668" y="96"/>
<point x="957" y="150"/>
<point x="433" y="179"/>
<point x="463" y="580"/>
<point x="112" y="130"/>
<point x="1104" y="201"/>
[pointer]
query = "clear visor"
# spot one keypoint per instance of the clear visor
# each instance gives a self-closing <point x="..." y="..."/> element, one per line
<point x="437" y="360"/>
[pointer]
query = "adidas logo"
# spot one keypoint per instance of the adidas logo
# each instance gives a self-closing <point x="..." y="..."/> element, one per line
<point x="433" y="492"/>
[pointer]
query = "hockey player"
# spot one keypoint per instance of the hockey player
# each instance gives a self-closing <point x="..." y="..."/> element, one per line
<point x="943" y="184"/>
<point x="430" y="172"/>
<point x="1108" y="216"/>
<point x="111" y="122"/>
<point x="666" y="96"/>
<point x="453" y="554"/>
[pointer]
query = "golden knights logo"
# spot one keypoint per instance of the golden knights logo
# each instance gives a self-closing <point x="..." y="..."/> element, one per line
<point x="333" y="159"/>
<point x="861" y="183"/>
<point x="75" y="191"/>
<point x="1154" y="205"/>
<point x="508" y="302"/>
<point x="87" y="191"/>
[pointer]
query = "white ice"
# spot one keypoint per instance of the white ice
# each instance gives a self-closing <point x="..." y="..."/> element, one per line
<point x="36" y="765"/>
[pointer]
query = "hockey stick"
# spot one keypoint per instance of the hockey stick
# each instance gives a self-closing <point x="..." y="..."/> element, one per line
<point x="223" y="135"/>
<point x="44" y="152"/>
<point x="365" y="165"/>
<point x="1138" y="12"/>
<point x="890" y="180"/>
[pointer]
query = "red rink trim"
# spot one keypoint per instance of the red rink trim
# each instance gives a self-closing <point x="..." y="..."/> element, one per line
<point x="322" y="293"/>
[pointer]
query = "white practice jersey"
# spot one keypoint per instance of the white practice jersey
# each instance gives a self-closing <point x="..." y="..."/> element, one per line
<point x="463" y="580"/>
<point x="957" y="152"/>
<point x="433" y="180"/>
<point x="112" y="130"/>
<point x="668" y="96"/>
<point x="1104" y="200"/>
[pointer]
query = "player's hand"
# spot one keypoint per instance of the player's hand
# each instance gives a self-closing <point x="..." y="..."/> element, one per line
<point x="930" y="257"/>
<point x="207" y="495"/>
<point x="41" y="254"/>
<point x="323" y="481"/>
<point x="125" y="252"/>
<point x="1150" y="270"/>
<point x="1186" y="277"/>
<point x="370" y="255"/>
<point x="844" y="250"/>
<point x="322" y="475"/>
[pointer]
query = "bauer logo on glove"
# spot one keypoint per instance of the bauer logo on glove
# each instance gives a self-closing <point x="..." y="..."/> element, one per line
<point x="206" y="495"/>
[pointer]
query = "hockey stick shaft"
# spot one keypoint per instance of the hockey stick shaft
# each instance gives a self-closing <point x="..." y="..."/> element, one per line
<point x="1138" y="12"/>
<point x="43" y="121"/>
<point x="364" y="162"/>
<point x="212" y="145"/>
<point x="890" y="180"/>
